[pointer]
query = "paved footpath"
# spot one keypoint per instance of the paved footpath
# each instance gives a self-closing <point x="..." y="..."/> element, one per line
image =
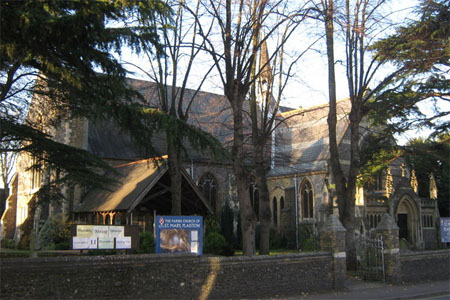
<point x="366" y="290"/>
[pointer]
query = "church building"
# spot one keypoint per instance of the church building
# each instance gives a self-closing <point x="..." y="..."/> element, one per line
<point x="300" y="182"/>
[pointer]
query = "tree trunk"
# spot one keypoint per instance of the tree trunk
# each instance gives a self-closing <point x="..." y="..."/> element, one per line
<point x="336" y="170"/>
<point x="349" y="213"/>
<point x="264" y="202"/>
<point x="248" y="218"/>
<point x="174" y="160"/>
<point x="345" y="191"/>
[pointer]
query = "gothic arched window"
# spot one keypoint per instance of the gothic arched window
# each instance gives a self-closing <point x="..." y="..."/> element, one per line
<point x="307" y="202"/>
<point x="208" y="186"/>
<point x="275" y="211"/>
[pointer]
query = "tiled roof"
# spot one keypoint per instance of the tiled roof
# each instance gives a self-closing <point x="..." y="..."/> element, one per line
<point x="302" y="144"/>
<point x="138" y="182"/>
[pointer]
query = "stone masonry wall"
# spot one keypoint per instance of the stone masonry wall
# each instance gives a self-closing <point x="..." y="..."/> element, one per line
<point x="165" y="277"/>
<point x="425" y="265"/>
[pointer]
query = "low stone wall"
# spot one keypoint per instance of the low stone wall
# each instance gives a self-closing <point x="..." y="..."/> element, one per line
<point x="165" y="276"/>
<point x="425" y="266"/>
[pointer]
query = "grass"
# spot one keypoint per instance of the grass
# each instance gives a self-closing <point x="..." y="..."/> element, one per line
<point x="6" y="253"/>
<point x="10" y="253"/>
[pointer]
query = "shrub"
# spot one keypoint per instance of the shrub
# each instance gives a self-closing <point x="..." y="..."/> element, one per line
<point x="24" y="242"/>
<point x="56" y="231"/>
<point x="308" y="237"/>
<point x="227" y="223"/>
<point x="100" y="252"/>
<point x="8" y="244"/>
<point x="309" y="245"/>
<point x="210" y="225"/>
<point x="277" y="240"/>
<point x="214" y="243"/>
<point x="146" y="242"/>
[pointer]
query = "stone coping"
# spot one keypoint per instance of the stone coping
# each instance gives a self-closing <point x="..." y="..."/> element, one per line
<point x="149" y="258"/>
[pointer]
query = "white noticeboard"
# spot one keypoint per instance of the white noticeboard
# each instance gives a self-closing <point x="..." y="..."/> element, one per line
<point x="116" y="231"/>
<point x="123" y="242"/>
<point x="101" y="231"/>
<point x="105" y="243"/>
<point x="80" y="243"/>
<point x="85" y="231"/>
<point x="100" y="237"/>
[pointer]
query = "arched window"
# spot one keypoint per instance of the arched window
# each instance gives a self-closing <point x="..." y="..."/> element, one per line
<point x="275" y="211"/>
<point x="307" y="203"/>
<point x="282" y="202"/>
<point x="254" y="196"/>
<point x="208" y="186"/>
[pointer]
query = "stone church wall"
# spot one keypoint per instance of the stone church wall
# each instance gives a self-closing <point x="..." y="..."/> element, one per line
<point x="9" y="215"/>
<point x="285" y="186"/>
<point x="226" y="189"/>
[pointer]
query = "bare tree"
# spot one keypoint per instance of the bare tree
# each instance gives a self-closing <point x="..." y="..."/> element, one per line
<point x="360" y="24"/>
<point x="265" y="98"/>
<point x="171" y="69"/>
<point x="234" y="53"/>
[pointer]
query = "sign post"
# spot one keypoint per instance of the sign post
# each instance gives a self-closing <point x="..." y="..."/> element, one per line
<point x="179" y="234"/>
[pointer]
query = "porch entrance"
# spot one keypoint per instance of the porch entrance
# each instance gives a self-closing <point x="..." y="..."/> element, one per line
<point x="402" y="224"/>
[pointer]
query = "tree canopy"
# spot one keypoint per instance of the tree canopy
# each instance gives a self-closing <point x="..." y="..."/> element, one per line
<point x="432" y="156"/>
<point x="62" y="52"/>
<point x="421" y="49"/>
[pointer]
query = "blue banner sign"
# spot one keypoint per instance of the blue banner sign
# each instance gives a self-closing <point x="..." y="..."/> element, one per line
<point x="445" y="230"/>
<point x="179" y="234"/>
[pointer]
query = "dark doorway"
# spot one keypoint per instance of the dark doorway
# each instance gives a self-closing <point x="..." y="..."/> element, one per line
<point x="402" y="223"/>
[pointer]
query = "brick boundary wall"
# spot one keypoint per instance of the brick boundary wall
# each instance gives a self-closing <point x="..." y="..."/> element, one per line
<point x="165" y="276"/>
<point x="425" y="266"/>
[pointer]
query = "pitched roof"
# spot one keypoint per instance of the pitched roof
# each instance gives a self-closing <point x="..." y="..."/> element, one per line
<point x="142" y="182"/>
<point x="302" y="143"/>
<point x="210" y="112"/>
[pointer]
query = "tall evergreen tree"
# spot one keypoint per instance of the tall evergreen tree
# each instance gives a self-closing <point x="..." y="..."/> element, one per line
<point x="61" y="51"/>
<point x="422" y="49"/>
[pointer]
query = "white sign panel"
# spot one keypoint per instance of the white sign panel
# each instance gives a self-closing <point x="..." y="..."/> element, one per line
<point x="80" y="243"/>
<point x="123" y="242"/>
<point x="116" y="231"/>
<point x="101" y="231"/>
<point x="93" y="243"/>
<point x="105" y="243"/>
<point x="85" y="231"/>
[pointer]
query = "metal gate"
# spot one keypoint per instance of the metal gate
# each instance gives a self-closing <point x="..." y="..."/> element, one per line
<point x="370" y="256"/>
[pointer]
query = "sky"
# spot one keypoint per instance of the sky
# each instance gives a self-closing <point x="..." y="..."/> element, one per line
<point x="309" y="85"/>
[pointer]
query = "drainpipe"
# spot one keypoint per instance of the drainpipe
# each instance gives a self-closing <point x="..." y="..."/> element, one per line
<point x="192" y="169"/>
<point x="296" y="211"/>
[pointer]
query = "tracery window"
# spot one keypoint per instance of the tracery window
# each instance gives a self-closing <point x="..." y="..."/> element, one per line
<point x="307" y="202"/>
<point x="274" y="211"/>
<point x="208" y="186"/>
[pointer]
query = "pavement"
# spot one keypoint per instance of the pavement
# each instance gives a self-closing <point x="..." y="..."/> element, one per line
<point x="358" y="289"/>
